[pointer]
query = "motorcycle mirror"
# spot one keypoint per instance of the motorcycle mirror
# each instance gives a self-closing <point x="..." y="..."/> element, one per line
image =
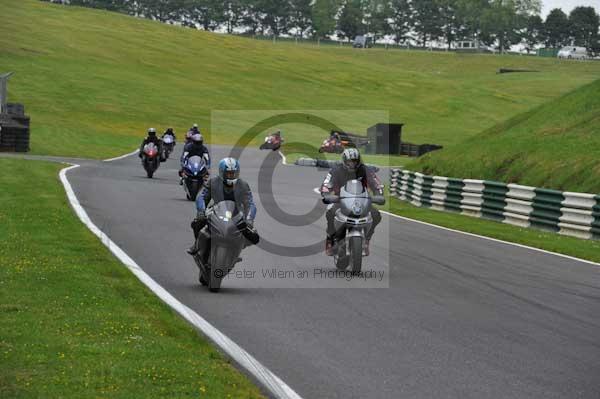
<point x="378" y="200"/>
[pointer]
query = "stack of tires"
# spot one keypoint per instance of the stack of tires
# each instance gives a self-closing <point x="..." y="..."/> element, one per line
<point x="14" y="133"/>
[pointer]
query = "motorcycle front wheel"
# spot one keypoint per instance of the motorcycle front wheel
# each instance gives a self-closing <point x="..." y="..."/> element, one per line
<point x="218" y="268"/>
<point x="356" y="253"/>
<point x="193" y="187"/>
<point x="149" y="170"/>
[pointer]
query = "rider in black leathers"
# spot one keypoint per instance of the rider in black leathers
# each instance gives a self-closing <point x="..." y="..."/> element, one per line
<point x="351" y="168"/>
<point x="152" y="138"/>
<point x="169" y="132"/>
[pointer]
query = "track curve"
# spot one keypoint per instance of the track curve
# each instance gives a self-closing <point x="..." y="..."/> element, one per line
<point x="463" y="317"/>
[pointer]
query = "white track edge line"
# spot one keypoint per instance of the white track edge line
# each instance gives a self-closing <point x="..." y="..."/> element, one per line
<point x="273" y="384"/>
<point x="121" y="156"/>
<point x="283" y="157"/>
<point x="316" y="190"/>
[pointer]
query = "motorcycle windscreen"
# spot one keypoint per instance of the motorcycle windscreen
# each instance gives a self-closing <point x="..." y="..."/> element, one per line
<point x="168" y="139"/>
<point x="353" y="188"/>
<point x="224" y="218"/>
<point x="225" y="210"/>
<point x="355" y="199"/>
<point x="195" y="164"/>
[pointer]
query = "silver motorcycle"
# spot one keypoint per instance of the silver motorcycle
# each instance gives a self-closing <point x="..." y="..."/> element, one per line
<point x="352" y="221"/>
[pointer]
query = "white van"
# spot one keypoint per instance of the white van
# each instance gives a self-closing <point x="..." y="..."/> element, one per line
<point x="572" y="52"/>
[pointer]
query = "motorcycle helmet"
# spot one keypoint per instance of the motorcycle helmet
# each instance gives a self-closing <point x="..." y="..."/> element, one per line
<point x="197" y="139"/>
<point x="229" y="170"/>
<point x="152" y="132"/>
<point x="351" y="159"/>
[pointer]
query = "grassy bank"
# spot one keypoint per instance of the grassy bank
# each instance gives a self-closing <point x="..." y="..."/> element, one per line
<point x="74" y="322"/>
<point x="93" y="81"/>
<point x="584" y="249"/>
<point x="555" y="146"/>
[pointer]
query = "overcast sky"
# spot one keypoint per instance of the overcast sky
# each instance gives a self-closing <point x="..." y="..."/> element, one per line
<point x="567" y="5"/>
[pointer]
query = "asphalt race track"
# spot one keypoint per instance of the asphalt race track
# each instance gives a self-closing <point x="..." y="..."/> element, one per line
<point x="463" y="317"/>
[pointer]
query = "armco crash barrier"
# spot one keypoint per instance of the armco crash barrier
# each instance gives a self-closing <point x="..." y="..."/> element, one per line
<point x="572" y="214"/>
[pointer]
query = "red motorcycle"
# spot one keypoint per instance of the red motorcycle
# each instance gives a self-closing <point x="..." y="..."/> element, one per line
<point x="272" y="142"/>
<point x="331" y="145"/>
<point x="150" y="159"/>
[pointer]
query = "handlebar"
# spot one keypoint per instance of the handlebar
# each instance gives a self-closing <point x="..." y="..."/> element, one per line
<point x="334" y="199"/>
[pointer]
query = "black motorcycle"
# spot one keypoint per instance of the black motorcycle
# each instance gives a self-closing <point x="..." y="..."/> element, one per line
<point x="223" y="238"/>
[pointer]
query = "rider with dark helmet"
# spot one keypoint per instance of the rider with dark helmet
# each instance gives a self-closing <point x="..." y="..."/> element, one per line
<point x="169" y="132"/>
<point x="350" y="169"/>
<point x="227" y="186"/>
<point x="193" y="130"/>
<point x="152" y="138"/>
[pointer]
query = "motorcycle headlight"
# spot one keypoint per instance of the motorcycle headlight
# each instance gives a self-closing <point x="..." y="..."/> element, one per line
<point x="357" y="208"/>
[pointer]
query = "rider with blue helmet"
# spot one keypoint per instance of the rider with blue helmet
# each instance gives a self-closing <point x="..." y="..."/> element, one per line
<point x="227" y="186"/>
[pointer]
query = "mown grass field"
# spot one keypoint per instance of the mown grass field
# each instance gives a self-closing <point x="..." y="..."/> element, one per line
<point x="93" y="81"/>
<point x="555" y="145"/>
<point x="76" y="323"/>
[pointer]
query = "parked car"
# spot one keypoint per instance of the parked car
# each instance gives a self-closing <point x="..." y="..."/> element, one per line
<point x="362" y="41"/>
<point x="572" y="52"/>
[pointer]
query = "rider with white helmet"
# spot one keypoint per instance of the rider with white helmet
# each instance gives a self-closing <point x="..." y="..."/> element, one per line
<point x="350" y="168"/>
<point x="152" y="138"/>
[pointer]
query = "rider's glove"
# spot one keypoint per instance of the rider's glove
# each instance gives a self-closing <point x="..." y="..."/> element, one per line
<point x="329" y="198"/>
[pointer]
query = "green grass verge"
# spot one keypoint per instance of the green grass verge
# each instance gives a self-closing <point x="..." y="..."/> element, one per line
<point x="75" y="322"/>
<point x="555" y="146"/>
<point x="93" y="81"/>
<point x="584" y="249"/>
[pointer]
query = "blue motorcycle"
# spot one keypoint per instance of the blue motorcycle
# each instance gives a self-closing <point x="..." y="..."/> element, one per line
<point x="194" y="174"/>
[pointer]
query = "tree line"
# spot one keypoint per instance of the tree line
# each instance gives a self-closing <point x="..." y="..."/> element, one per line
<point x="498" y="23"/>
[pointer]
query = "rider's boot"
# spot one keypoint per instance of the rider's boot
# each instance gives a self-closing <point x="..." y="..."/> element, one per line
<point x="365" y="250"/>
<point x="194" y="249"/>
<point x="329" y="246"/>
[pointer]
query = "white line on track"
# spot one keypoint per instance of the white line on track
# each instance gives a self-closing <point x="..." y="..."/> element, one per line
<point x="121" y="157"/>
<point x="273" y="384"/>
<point x="589" y="262"/>
<point x="283" y="158"/>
